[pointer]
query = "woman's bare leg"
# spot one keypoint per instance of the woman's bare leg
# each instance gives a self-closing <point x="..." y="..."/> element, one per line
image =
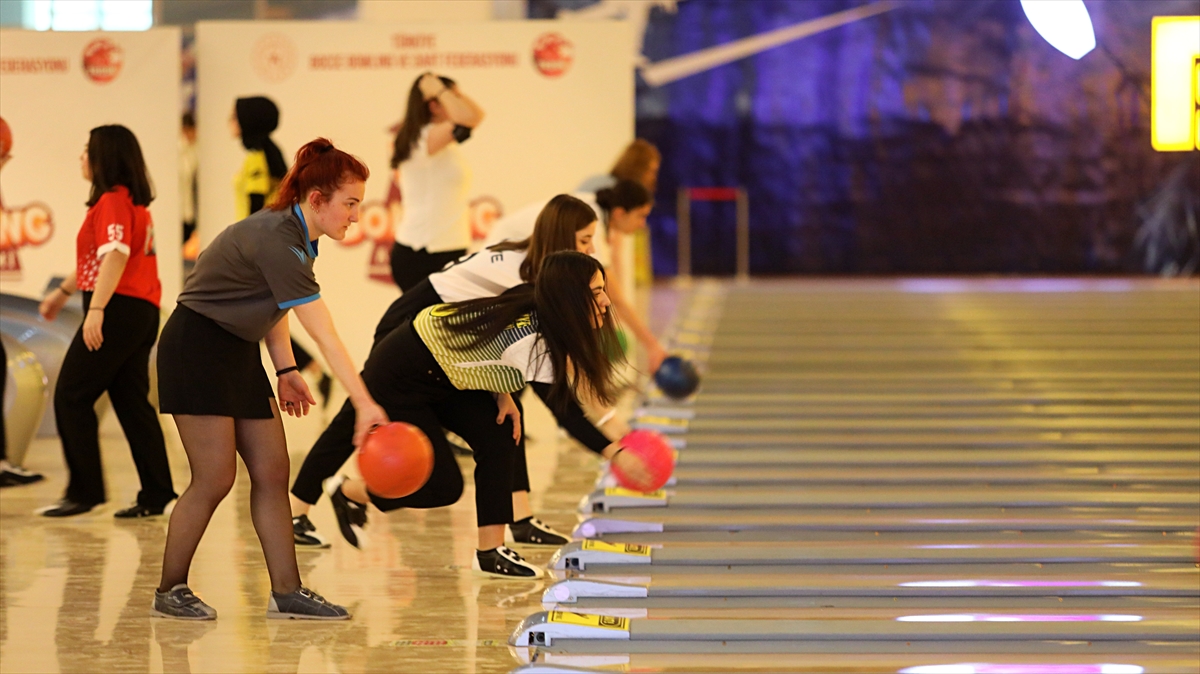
<point x="210" y="445"/>
<point x="264" y="450"/>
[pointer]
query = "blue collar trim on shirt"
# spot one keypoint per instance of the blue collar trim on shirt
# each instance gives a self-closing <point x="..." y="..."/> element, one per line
<point x="312" y="245"/>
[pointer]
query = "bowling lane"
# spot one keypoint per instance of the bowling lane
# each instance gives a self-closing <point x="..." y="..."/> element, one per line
<point x="654" y="518"/>
<point x="934" y="482"/>
<point x="594" y="555"/>
<point x="869" y="658"/>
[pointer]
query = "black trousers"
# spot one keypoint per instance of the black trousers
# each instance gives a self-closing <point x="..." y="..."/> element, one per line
<point x="408" y="383"/>
<point x="410" y="267"/>
<point x="121" y="366"/>
<point x="335" y="446"/>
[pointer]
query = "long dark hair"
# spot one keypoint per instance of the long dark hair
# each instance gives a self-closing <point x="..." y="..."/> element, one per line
<point x="258" y="117"/>
<point x="554" y="231"/>
<point x="416" y="116"/>
<point x="115" y="158"/>
<point x="626" y="194"/>
<point x="563" y="302"/>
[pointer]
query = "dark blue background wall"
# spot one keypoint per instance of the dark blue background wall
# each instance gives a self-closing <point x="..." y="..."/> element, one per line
<point x="944" y="136"/>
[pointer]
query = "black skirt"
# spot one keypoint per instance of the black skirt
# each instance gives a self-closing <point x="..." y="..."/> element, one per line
<point x="204" y="369"/>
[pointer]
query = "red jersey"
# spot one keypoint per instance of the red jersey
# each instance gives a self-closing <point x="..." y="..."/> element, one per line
<point x="115" y="223"/>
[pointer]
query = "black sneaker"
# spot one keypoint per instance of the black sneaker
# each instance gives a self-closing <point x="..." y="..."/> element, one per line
<point x="532" y="531"/>
<point x="137" y="511"/>
<point x="351" y="515"/>
<point x="181" y="603"/>
<point x="65" y="508"/>
<point x="304" y="604"/>
<point x="306" y="534"/>
<point x="502" y="562"/>
<point x="15" y="476"/>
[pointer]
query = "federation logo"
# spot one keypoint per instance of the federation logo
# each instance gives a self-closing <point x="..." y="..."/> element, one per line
<point x="553" y="54"/>
<point x="102" y="60"/>
<point x="274" y="57"/>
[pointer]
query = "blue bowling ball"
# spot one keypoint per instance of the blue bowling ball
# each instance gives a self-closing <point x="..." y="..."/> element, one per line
<point x="677" y="377"/>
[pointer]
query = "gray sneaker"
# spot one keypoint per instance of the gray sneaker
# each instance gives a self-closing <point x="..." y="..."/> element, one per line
<point x="304" y="604"/>
<point x="181" y="604"/>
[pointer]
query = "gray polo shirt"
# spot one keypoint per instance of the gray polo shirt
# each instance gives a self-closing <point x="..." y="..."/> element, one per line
<point x="253" y="272"/>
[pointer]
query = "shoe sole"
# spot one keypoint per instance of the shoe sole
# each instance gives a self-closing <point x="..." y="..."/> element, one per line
<point x="280" y="615"/>
<point x="155" y="613"/>
<point x="309" y="546"/>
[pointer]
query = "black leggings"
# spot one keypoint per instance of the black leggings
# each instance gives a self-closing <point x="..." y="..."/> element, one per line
<point x="408" y="383"/>
<point x="120" y="366"/>
<point x="410" y="267"/>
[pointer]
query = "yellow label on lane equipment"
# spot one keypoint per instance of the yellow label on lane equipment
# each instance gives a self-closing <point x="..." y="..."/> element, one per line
<point x="621" y="491"/>
<point x="619" y="548"/>
<point x="604" y="622"/>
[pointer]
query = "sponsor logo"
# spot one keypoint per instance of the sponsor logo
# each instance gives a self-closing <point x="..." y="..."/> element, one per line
<point x="102" y="60"/>
<point x="30" y="225"/>
<point x="274" y="57"/>
<point x="553" y="54"/>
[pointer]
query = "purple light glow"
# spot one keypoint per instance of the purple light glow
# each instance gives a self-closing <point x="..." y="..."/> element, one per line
<point x="1021" y="583"/>
<point x="1018" y="618"/>
<point x="994" y="546"/>
<point x="999" y="668"/>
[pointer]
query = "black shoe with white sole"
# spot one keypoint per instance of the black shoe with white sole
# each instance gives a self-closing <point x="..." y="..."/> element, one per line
<point x="306" y="534"/>
<point x="351" y="515"/>
<point x="502" y="562"/>
<point x="532" y="531"/>
<point x="66" y="508"/>
<point x="16" y="476"/>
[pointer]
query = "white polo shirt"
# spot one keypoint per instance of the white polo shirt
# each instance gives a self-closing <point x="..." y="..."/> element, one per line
<point x="433" y="192"/>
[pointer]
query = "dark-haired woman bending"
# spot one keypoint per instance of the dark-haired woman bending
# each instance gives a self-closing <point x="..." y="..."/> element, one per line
<point x="433" y="178"/>
<point x="566" y="223"/>
<point x="455" y="367"/>
<point x="623" y="207"/>
<point x="116" y="269"/>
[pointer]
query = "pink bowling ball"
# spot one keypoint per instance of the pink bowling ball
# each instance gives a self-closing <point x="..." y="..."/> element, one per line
<point x="656" y="454"/>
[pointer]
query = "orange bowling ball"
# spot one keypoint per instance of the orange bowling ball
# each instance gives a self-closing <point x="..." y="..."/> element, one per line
<point x="395" y="459"/>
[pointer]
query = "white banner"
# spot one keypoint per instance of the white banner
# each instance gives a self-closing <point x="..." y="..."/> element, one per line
<point x="54" y="88"/>
<point x="559" y="107"/>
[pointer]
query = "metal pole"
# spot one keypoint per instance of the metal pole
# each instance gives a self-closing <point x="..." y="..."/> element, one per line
<point x="683" y="220"/>
<point x="743" y="235"/>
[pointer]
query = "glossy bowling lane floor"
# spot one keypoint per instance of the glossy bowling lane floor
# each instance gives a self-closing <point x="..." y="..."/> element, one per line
<point x="1029" y="450"/>
<point x="916" y="476"/>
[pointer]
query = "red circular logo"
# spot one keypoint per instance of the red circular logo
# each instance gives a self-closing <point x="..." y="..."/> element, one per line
<point x="102" y="60"/>
<point x="552" y="54"/>
<point x="274" y="57"/>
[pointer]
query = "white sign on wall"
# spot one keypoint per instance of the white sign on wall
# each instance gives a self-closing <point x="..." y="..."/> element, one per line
<point x="558" y="99"/>
<point x="54" y="88"/>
